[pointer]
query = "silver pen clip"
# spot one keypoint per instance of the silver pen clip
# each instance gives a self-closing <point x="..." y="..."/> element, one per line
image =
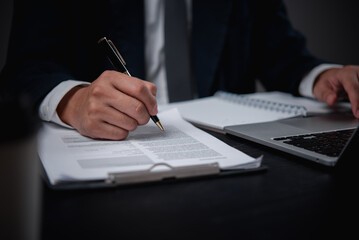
<point x="118" y="53"/>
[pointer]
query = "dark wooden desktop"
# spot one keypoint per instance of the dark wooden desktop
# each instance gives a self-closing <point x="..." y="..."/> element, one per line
<point x="293" y="199"/>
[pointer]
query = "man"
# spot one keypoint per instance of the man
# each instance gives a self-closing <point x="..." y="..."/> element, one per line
<point x="232" y="42"/>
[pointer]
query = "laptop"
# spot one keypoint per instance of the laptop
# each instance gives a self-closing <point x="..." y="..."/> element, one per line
<point x="324" y="139"/>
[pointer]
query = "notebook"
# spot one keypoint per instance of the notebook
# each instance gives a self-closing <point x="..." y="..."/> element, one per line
<point x="226" y="109"/>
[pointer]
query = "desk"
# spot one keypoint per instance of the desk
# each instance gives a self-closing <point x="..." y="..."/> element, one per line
<point x="293" y="199"/>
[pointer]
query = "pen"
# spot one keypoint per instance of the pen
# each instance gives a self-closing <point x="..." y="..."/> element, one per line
<point x="120" y="65"/>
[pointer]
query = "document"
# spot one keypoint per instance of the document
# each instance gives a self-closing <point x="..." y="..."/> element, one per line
<point x="68" y="156"/>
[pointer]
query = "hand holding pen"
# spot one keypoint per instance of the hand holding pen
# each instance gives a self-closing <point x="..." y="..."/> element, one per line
<point x="120" y="65"/>
<point x="110" y="106"/>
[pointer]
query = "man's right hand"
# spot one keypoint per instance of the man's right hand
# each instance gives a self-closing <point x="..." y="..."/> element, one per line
<point x="110" y="107"/>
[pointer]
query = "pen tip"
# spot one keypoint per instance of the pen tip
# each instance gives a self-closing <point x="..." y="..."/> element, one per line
<point x="159" y="125"/>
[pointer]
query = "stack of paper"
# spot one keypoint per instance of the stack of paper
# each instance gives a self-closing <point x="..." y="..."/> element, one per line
<point x="68" y="156"/>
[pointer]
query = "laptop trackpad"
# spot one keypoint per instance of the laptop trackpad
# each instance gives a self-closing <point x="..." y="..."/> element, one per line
<point x="323" y="123"/>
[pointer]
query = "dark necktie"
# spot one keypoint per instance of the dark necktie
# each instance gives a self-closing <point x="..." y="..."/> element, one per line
<point x="177" y="51"/>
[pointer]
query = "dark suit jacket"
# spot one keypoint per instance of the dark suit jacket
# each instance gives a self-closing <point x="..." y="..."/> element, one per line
<point x="234" y="42"/>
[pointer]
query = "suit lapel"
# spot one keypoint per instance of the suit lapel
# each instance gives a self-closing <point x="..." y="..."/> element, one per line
<point x="210" y="23"/>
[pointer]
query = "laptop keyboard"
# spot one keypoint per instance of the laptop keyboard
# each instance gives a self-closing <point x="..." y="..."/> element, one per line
<point x="326" y="143"/>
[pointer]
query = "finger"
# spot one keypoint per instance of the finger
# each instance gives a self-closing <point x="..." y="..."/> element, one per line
<point x="119" y="119"/>
<point x="349" y="80"/>
<point x="105" y="93"/>
<point x="329" y="96"/>
<point x="324" y="92"/>
<point x="111" y="132"/>
<point x="139" y="89"/>
<point x="152" y="87"/>
<point x="129" y="106"/>
<point x="102" y="130"/>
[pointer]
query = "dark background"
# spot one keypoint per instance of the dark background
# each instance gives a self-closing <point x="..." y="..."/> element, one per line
<point x="286" y="202"/>
<point x="331" y="27"/>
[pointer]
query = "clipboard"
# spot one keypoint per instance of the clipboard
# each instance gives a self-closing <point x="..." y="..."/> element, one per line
<point x="148" y="176"/>
<point x="69" y="163"/>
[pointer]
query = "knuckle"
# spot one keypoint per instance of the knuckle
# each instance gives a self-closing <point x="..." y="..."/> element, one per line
<point x="107" y="74"/>
<point x="96" y="90"/>
<point x="140" y="88"/>
<point x="348" y="72"/>
<point x="93" y="108"/>
<point x="349" y="68"/>
<point x="153" y="88"/>
<point x="340" y="75"/>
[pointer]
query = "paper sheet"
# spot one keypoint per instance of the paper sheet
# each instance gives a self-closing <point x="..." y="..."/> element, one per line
<point x="69" y="156"/>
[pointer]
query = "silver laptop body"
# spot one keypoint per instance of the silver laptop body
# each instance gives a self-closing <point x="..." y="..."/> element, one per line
<point x="266" y="133"/>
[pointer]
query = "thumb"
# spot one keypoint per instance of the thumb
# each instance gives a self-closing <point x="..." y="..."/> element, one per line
<point x="331" y="97"/>
<point x="325" y="93"/>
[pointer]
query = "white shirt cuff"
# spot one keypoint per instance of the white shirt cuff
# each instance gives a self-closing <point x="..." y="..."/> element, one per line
<point x="306" y="85"/>
<point x="47" y="109"/>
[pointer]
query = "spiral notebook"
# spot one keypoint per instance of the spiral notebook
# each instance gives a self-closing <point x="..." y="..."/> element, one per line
<point x="226" y="109"/>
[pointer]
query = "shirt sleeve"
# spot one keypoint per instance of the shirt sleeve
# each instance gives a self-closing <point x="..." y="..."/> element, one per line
<point x="47" y="109"/>
<point x="306" y="85"/>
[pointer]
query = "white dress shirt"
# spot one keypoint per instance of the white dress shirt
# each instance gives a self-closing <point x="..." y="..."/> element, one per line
<point x="155" y="65"/>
